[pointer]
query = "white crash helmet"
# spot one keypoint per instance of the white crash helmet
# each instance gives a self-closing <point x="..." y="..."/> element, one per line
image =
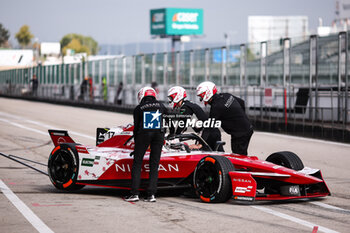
<point x="146" y="91"/>
<point x="205" y="91"/>
<point x="175" y="95"/>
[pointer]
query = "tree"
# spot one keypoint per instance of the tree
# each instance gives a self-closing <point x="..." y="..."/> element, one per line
<point x="24" y="36"/>
<point x="75" y="45"/>
<point x="4" y="36"/>
<point x="87" y="43"/>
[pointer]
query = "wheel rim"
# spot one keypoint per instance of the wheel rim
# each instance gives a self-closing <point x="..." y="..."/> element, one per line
<point x="207" y="179"/>
<point x="62" y="167"/>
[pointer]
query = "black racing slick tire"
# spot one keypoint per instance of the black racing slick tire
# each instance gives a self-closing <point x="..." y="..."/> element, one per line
<point x="211" y="179"/>
<point x="286" y="159"/>
<point x="63" y="167"/>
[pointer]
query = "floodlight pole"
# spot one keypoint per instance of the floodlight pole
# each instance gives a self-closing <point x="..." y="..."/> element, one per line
<point x="174" y="39"/>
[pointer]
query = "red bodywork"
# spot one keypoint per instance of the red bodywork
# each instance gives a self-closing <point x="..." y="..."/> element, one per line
<point x="110" y="166"/>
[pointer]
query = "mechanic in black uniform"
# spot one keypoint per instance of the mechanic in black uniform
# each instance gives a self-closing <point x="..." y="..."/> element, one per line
<point x="147" y="113"/>
<point x="211" y="136"/>
<point x="230" y="110"/>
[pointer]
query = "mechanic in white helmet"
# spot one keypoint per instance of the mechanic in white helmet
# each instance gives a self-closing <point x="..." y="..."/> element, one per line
<point x="148" y="132"/>
<point x="177" y="99"/>
<point x="230" y="110"/>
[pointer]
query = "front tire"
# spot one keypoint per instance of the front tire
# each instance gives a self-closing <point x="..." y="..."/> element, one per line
<point x="211" y="180"/>
<point x="286" y="159"/>
<point x="63" y="167"/>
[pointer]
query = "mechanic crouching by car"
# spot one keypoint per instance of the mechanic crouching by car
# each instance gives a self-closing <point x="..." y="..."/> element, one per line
<point x="177" y="99"/>
<point x="230" y="111"/>
<point x="148" y="132"/>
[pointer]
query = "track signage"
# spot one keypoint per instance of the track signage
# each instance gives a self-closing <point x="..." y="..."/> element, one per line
<point x="176" y="21"/>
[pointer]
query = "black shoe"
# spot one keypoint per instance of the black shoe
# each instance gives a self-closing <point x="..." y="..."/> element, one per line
<point x="132" y="198"/>
<point x="150" y="198"/>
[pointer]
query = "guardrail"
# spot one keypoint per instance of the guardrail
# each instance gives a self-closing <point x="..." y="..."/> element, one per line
<point x="299" y="80"/>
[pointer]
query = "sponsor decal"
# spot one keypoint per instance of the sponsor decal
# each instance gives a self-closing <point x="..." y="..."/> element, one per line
<point x="229" y="102"/>
<point x="241" y="180"/>
<point x="150" y="105"/>
<point x="185" y="20"/>
<point x="290" y="190"/>
<point x="126" y="133"/>
<point x="73" y="157"/>
<point x="166" y="168"/>
<point x="240" y="198"/>
<point x="220" y="182"/>
<point x="294" y="190"/>
<point x="158" y="26"/>
<point x="185" y="17"/>
<point x="151" y="120"/>
<point x="158" y="17"/>
<point x="185" y="26"/>
<point x="58" y="134"/>
<point x="61" y="140"/>
<point x="87" y="162"/>
<point x="82" y="150"/>
<point x="243" y="189"/>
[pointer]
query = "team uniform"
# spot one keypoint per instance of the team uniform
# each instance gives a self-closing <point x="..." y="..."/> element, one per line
<point x="209" y="135"/>
<point x="186" y="108"/>
<point x="230" y="111"/>
<point x="144" y="138"/>
<point x="226" y="108"/>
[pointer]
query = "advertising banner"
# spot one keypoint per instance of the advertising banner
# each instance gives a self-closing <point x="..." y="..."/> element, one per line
<point x="176" y="21"/>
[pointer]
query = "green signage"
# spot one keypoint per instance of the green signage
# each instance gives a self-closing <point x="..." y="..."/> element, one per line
<point x="176" y="21"/>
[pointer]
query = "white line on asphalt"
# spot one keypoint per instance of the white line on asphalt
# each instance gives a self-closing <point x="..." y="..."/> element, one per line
<point x="294" y="219"/>
<point x="10" y="115"/>
<point x="324" y="205"/>
<point x="41" y="124"/>
<point x="303" y="139"/>
<point x="23" y="127"/>
<point x="25" y="211"/>
<point x="54" y="127"/>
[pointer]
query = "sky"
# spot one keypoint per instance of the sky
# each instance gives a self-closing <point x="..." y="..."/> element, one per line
<point x="127" y="21"/>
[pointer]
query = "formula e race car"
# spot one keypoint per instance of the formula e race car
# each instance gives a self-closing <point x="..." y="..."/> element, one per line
<point x="215" y="176"/>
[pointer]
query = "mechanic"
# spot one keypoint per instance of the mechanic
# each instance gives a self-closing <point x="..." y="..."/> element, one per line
<point x="177" y="99"/>
<point x="148" y="132"/>
<point x="230" y="110"/>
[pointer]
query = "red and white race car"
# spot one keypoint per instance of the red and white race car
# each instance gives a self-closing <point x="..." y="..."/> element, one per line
<point x="215" y="176"/>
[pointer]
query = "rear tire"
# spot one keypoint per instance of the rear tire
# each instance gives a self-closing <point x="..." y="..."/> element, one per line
<point x="211" y="180"/>
<point x="63" y="167"/>
<point x="286" y="159"/>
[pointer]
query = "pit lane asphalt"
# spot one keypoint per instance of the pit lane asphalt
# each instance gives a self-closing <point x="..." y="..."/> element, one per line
<point x="23" y="132"/>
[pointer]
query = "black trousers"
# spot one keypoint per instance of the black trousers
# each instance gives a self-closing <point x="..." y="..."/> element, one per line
<point x="143" y="140"/>
<point x="239" y="145"/>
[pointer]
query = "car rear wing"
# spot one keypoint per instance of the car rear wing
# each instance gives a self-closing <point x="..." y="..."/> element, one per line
<point x="60" y="136"/>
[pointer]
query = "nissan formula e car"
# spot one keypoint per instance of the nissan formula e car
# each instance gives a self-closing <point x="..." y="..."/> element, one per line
<point x="215" y="176"/>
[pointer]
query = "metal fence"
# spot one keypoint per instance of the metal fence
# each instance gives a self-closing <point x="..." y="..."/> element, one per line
<point x="282" y="83"/>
